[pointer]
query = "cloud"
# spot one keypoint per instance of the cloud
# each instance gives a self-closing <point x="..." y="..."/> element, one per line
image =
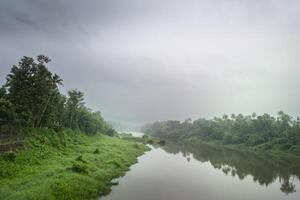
<point x="140" y="61"/>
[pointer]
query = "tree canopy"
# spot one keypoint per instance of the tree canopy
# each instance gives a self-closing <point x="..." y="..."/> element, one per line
<point x="31" y="95"/>
<point x="263" y="131"/>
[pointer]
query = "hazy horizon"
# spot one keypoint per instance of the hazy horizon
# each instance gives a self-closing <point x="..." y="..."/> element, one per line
<point x="143" y="61"/>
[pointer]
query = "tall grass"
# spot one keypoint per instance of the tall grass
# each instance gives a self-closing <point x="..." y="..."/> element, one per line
<point x="65" y="166"/>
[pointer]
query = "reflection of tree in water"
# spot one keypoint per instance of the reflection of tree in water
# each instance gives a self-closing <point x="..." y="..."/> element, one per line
<point x="264" y="169"/>
<point x="288" y="187"/>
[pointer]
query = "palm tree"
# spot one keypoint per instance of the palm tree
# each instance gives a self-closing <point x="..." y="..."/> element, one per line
<point x="56" y="80"/>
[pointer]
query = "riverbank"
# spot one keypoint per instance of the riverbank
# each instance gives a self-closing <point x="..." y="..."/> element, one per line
<point x="186" y="171"/>
<point x="266" y="149"/>
<point x="272" y="148"/>
<point x="65" y="165"/>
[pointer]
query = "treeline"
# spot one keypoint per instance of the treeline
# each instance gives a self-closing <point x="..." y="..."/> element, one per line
<point x="31" y="98"/>
<point x="262" y="131"/>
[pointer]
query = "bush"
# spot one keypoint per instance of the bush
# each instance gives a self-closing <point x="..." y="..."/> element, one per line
<point x="80" y="158"/>
<point x="295" y="149"/>
<point x="96" y="151"/>
<point x="236" y="139"/>
<point x="10" y="156"/>
<point x="227" y="139"/>
<point x="150" y="141"/>
<point x="145" y="137"/>
<point x="162" y="142"/>
<point x="7" y="112"/>
<point x="136" y="145"/>
<point x="281" y="140"/>
<point x="79" y="168"/>
<point x="285" y="147"/>
<point x="254" y="140"/>
<point x="217" y="135"/>
<point x="110" y="132"/>
<point x="267" y="146"/>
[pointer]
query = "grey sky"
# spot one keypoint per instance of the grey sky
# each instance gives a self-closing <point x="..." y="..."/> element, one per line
<point x="140" y="61"/>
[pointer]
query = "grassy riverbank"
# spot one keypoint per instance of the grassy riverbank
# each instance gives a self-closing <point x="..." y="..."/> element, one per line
<point x="271" y="148"/>
<point x="66" y="165"/>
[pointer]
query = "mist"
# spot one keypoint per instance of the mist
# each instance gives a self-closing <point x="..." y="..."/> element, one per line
<point x="141" y="61"/>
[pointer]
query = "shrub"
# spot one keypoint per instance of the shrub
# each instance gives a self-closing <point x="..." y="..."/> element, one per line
<point x="145" y="137"/>
<point x="295" y="149"/>
<point x="136" y="145"/>
<point x="162" y="142"/>
<point x="254" y="140"/>
<point x="227" y="139"/>
<point x="267" y="146"/>
<point x="285" y="147"/>
<point x="115" y="162"/>
<point x="79" y="168"/>
<point x="110" y="132"/>
<point x="150" y="141"/>
<point x="10" y="156"/>
<point x="96" y="151"/>
<point x="281" y="140"/>
<point x="80" y="158"/>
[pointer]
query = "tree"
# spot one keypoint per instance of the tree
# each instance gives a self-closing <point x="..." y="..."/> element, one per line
<point x="54" y="115"/>
<point x="2" y="92"/>
<point x="288" y="187"/>
<point x="7" y="112"/>
<point x="31" y="95"/>
<point x="74" y="102"/>
<point x="284" y="121"/>
<point x="30" y="88"/>
<point x="262" y="131"/>
<point x="53" y="96"/>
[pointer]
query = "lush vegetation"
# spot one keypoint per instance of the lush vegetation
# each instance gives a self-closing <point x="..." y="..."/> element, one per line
<point x="263" y="132"/>
<point x="31" y="98"/>
<point x="67" y="151"/>
<point x="65" y="165"/>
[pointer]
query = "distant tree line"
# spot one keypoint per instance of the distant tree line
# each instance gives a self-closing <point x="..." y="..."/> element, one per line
<point x="31" y="98"/>
<point x="262" y="131"/>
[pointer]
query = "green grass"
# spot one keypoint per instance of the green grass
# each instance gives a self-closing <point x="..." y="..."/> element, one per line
<point x="67" y="165"/>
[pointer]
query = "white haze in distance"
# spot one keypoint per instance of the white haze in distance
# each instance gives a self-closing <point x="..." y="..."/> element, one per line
<point x="141" y="61"/>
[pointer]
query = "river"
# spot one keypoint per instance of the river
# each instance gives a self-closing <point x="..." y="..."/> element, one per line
<point x="185" y="172"/>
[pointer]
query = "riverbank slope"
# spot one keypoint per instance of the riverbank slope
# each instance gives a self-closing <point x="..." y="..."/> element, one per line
<point x="65" y="165"/>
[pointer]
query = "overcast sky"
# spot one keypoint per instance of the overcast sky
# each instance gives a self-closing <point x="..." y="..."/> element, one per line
<point x="141" y="61"/>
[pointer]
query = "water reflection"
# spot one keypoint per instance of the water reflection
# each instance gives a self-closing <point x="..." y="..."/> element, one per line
<point x="265" y="169"/>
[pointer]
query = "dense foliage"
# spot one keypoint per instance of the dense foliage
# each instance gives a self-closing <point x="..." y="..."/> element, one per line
<point x="263" y="131"/>
<point x="31" y="98"/>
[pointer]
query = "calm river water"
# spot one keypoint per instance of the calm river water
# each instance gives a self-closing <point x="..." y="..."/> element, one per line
<point x="185" y="172"/>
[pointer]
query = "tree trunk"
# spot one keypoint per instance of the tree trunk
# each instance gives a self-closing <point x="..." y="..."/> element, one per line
<point x="44" y="110"/>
